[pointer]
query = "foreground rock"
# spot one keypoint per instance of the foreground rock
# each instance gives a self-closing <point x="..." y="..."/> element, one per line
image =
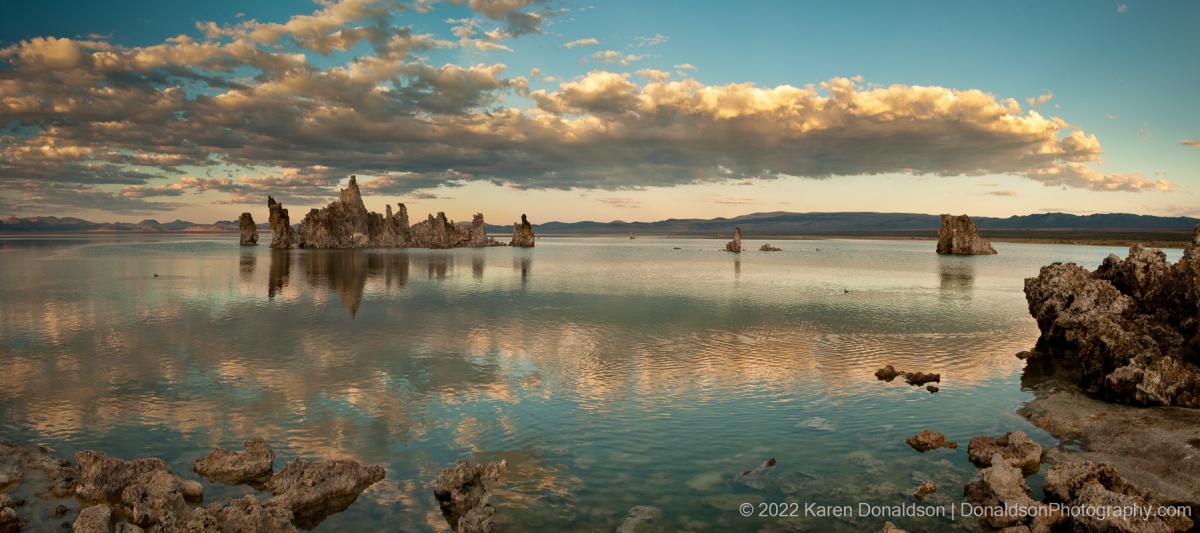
<point x="958" y="235"/>
<point x="1002" y="485"/>
<point x="1132" y="327"/>
<point x="463" y="492"/>
<point x="249" y="232"/>
<point x="10" y="521"/>
<point x="346" y="223"/>
<point x="253" y="466"/>
<point x="889" y="527"/>
<point x="1092" y="485"/>
<point x="523" y="234"/>
<point x="1015" y="447"/>
<point x="735" y="245"/>
<point x="15" y="461"/>
<point x="94" y="519"/>
<point x="929" y="440"/>
<point x="314" y="490"/>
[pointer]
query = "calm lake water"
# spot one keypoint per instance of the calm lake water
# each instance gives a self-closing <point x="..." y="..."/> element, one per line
<point x="610" y="373"/>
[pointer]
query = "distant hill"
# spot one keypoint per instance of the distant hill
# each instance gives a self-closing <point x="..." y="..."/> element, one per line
<point x="864" y="223"/>
<point x="774" y="223"/>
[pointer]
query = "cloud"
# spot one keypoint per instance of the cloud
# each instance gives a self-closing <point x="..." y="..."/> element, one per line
<point x="1002" y="193"/>
<point x="612" y="56"/>
<point x="581" y="42"/>
<point x="1191" y="142"/>
<point x="1121" y="8"/>
<point x="1035" y="102"/>
<point x="100" y="125"/>
<point x="652" y="41"/>
<point x="738" y="201"/>
<point x="622" y="201"/>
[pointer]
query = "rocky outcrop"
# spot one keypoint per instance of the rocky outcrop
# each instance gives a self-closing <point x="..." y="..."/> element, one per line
<point x="888" y="373"/>
<point x="929" y="440"/>
<point x="15" y="460"/>
<point x="314" y="490"/>
<point x="144" y="490"/>
<point x="917" y="379"/>
<point x="768" y="248"/>
<point x="523" y="234"/>
<point x="958" y="235"/>
<point x="464" y="490"/>
<point x="248" y="230"/>
<point x="1133" y="325"/>
<point x="346" y="223"/>
<point x="252" y="466"/>
<point x="242" y="515"/>
<point x="282" y="234"/>
<point x="1015" y="447"/>
<point x="735" y="245"/>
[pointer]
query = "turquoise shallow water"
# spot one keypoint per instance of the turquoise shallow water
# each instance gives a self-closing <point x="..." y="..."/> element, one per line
<point x="610" y="373"/>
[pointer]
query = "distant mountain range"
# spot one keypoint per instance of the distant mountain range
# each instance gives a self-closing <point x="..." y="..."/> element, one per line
<point x="775" y="223"/>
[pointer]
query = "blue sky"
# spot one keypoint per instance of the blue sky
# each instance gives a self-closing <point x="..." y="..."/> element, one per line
<point x="599" y="110"/>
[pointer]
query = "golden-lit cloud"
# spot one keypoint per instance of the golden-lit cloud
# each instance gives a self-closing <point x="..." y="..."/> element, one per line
<point x="246" y="109"/>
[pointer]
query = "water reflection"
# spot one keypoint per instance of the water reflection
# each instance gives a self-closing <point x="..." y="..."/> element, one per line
<point x="525" y="265"/>
<point x="246" y="264"/>
<point x="345" y="272"/>
<point x="958" y="275"/>
<point x="477" y="266"/>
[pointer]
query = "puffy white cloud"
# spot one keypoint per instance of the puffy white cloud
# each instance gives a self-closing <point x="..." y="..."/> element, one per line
<point x="1191" y="142"/>
<point x="581" y="42"/>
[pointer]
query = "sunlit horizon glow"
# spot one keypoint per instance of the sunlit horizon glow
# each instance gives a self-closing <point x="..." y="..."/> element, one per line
<point x="570" y="111"/>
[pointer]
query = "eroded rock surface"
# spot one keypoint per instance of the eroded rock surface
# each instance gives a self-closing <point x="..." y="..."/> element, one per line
<point x="1098" y="485"/>
<point x="958" y="235"/>
<point x="926" y="488"/>
<point x="523" y="234"/>
<point x="94" y="519"/>
<point x="929" y="440"/>
<point x="314" y="490"/>
<point x="1003" y="485"/>
<point x="1133" y="324"/>
<point x="735" y="245"/>
<point x="10" y="521"/>
<point x="346" y="223"/>
<point x="889" y="527"/>
<point x="465" y="487"/>
<point x="252" y="466"/>
<point x="1015" y="447"/>
<point x="921" y="378"/>
<point x="249" y="232"/>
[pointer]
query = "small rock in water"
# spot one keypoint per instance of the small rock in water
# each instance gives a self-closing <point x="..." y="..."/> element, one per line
<point x="929" y="440"/>
<point x="926" y="488"/>
<point x="920" y="378"/>
<point x="463" y="490"/>
<point x="58" y="511"/>
<point x="887" y="373"/>
<point x="252" y="466"/>
<point x="1015" y="447"/>
<point x="769" y="248"/>
<point x="757" y="478"/>
<point x="931" y="388"/>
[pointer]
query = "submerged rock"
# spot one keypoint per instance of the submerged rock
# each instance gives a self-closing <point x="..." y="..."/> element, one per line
<point x="346" y="223"/>
<point x="758" y="477"/>
<point x="1134" y="324"/>
<point x="769" y="248"/>
<point x="958" y="235"/>
<point x="314" y="490"/>
<point x="1015" y="447"/>
<point x="249" y="232"/>
<point x="523" y="234"/>
<point x="735" y="245"/>
<point x="929" y="440"/>
<point x="464" y="489"/>
<point x="641" y="519"/>
<point x="252" y="466"/>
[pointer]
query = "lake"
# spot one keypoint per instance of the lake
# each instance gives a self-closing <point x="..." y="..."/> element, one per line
<point x="609" y="372"/>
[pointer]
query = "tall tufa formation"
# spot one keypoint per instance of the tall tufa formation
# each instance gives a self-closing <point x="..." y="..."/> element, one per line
<point x="522" y="233"/>
<point x="735" y="245"/>
<point x="249" y="232"/>
<point x="346" y="223"/>
<point x="959" y="236"/>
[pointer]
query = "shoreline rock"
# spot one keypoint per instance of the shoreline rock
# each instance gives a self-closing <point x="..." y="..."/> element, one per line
<point x="1132" y="326"/>
<point x="314" y="490"/>
<point x="1015" y="447"/>
<point x="958" y="236"/>
<point x="249" y="232"/>
<point x="463" y="492"/>
<point x="254" y="466"/>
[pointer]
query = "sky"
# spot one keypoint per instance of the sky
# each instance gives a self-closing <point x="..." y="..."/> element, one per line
<point x="598" y="110"/>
